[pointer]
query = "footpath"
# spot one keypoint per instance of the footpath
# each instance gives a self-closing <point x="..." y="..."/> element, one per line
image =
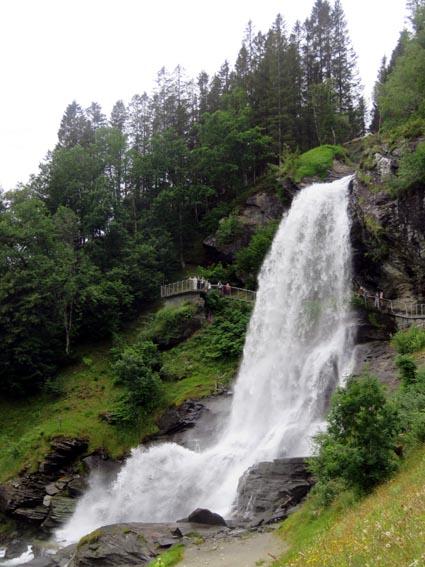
<point x="250" y="551"/>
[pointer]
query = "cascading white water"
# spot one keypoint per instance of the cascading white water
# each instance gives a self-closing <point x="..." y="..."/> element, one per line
<point x="297" y="350"/>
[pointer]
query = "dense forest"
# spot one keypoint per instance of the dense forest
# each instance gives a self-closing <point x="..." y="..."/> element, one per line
<point x="119" y="204"/>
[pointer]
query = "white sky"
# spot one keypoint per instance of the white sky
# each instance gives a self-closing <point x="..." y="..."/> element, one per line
<point x="55" y="51"/>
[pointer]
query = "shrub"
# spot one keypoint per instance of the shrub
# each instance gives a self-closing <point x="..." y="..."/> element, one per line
<point x="225" y="336"/>
<point x="229" y="229"/>
<point x="410" y="341"/>
<point x="250" y="259"/>
<point x="411" y="172"/>
<point x="410" y="403"/>
<point x="217" y="272"/>
<point x="170" y="324"/>
<point x="358" y="446"/>
<point x="143" y="388"/>
<point x="407" y="366"/>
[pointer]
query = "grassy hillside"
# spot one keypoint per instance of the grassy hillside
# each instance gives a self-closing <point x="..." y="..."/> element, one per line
<point x="386" y="529"/>
<point x="82" y="395"/>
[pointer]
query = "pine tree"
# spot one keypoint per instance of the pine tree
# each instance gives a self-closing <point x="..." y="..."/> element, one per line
<point x="119" y="116"/>
<point x="74" y="128"/>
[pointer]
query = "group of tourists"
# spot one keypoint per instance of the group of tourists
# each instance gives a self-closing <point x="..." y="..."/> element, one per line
<point x="378" y="298"/>
<point x="224" y="289"/>
<point x="202" y="284"/>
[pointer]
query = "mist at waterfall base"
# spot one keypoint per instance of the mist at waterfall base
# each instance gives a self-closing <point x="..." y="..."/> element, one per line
<point x="298" y="348"/>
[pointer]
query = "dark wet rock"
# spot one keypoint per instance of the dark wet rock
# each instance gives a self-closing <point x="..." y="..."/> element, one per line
<point x="177" y="419"/>
<point x="268" y="492"/>
<point x="77" y="486"/>
<point x="373" y="325"/>
<point x="259" y="209"/>
<point x="378" y="358"/>
<point x="33" y="515"/>
<point x="60" y="510"/>
<point x="204" y="516"/>
<point x="15" y="548"/>
<point x="64" y="451"/>
<point x="123" y="545"/>
<point x="96" y="462"/>
<point x="387" y="233"/>
<point x="24" y="498"/>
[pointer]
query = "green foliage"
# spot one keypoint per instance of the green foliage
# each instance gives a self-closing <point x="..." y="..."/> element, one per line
<point x="169" y="558"/>
<point x="410" y="403"/>
<point x="314" y="163"/>
<point x="409" y="341"/>
<point x="411" y="171"/>
<point x="358" y="446"/>
<point x="211" y="219"/>
<point x="170" y="324"/>
<point x="411" y="129"/>
<point x="250" y="259"/>
<point x="143" y="388"/>
<point x="229" y="229"/>
<point x="225" y="336"/>
<point x="407" y="367"/>
<point x="217" y="272"/>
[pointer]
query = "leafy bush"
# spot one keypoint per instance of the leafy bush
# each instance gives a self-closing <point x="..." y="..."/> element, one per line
<point x="143" y="388"/>
<point x="225" y="336"/>
<point x="410" y="403"/>
<point x="216" y="273"/>
<point x="211" y="220"/>
<point x="411" y="172"/>
<point x="410" y="341"/>
<point x="407" y="367"/>
<point x="358" y="449"/>
<point x="250" y="259"/>
<point x="170" y="324"/>
<point x="229" y="229"/>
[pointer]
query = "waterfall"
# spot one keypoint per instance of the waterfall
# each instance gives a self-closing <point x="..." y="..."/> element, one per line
<point x="297" y="349"/>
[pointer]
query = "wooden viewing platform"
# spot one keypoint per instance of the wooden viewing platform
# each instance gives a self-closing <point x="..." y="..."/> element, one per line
<point x="395" y="307"/>
<point x="405" y="313"/>
<point x="189" y="286"/>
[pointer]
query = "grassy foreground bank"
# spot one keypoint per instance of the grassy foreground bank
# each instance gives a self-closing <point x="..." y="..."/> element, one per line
<point x="386" y="529"/>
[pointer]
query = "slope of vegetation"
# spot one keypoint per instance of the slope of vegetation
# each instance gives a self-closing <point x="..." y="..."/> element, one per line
<point x="84" y="399"/>
<point x="386" y="529"/>
<point x="348" y="519"/>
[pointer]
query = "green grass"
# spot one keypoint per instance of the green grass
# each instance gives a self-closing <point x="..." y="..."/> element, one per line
<point x="317" y="162"/>
<point x="386" y="529"/>
<point x="85" y="391"/>
<point x="28" y="426"/>
<point x="170" y="557"/>
<point x="193" y="374"/>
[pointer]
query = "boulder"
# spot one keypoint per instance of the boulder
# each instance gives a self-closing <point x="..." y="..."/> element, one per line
<point x="269" y="491"/>
<point x="204" y="516"/>
<point x="179" y="419"/>
<point x="123" y="545"/>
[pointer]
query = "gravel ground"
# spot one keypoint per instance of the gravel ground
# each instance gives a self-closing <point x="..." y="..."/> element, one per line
<point x="258" y="549"/>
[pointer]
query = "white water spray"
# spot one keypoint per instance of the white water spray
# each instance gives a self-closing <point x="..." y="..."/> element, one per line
<point x="297" y="349"/>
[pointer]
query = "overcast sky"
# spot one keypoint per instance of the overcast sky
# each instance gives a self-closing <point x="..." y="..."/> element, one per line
<point x="55" y="51"/>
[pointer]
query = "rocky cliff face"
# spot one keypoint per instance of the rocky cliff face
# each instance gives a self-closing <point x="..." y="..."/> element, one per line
<point x="388" y="231"/>
<point x="259" y="210"/>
